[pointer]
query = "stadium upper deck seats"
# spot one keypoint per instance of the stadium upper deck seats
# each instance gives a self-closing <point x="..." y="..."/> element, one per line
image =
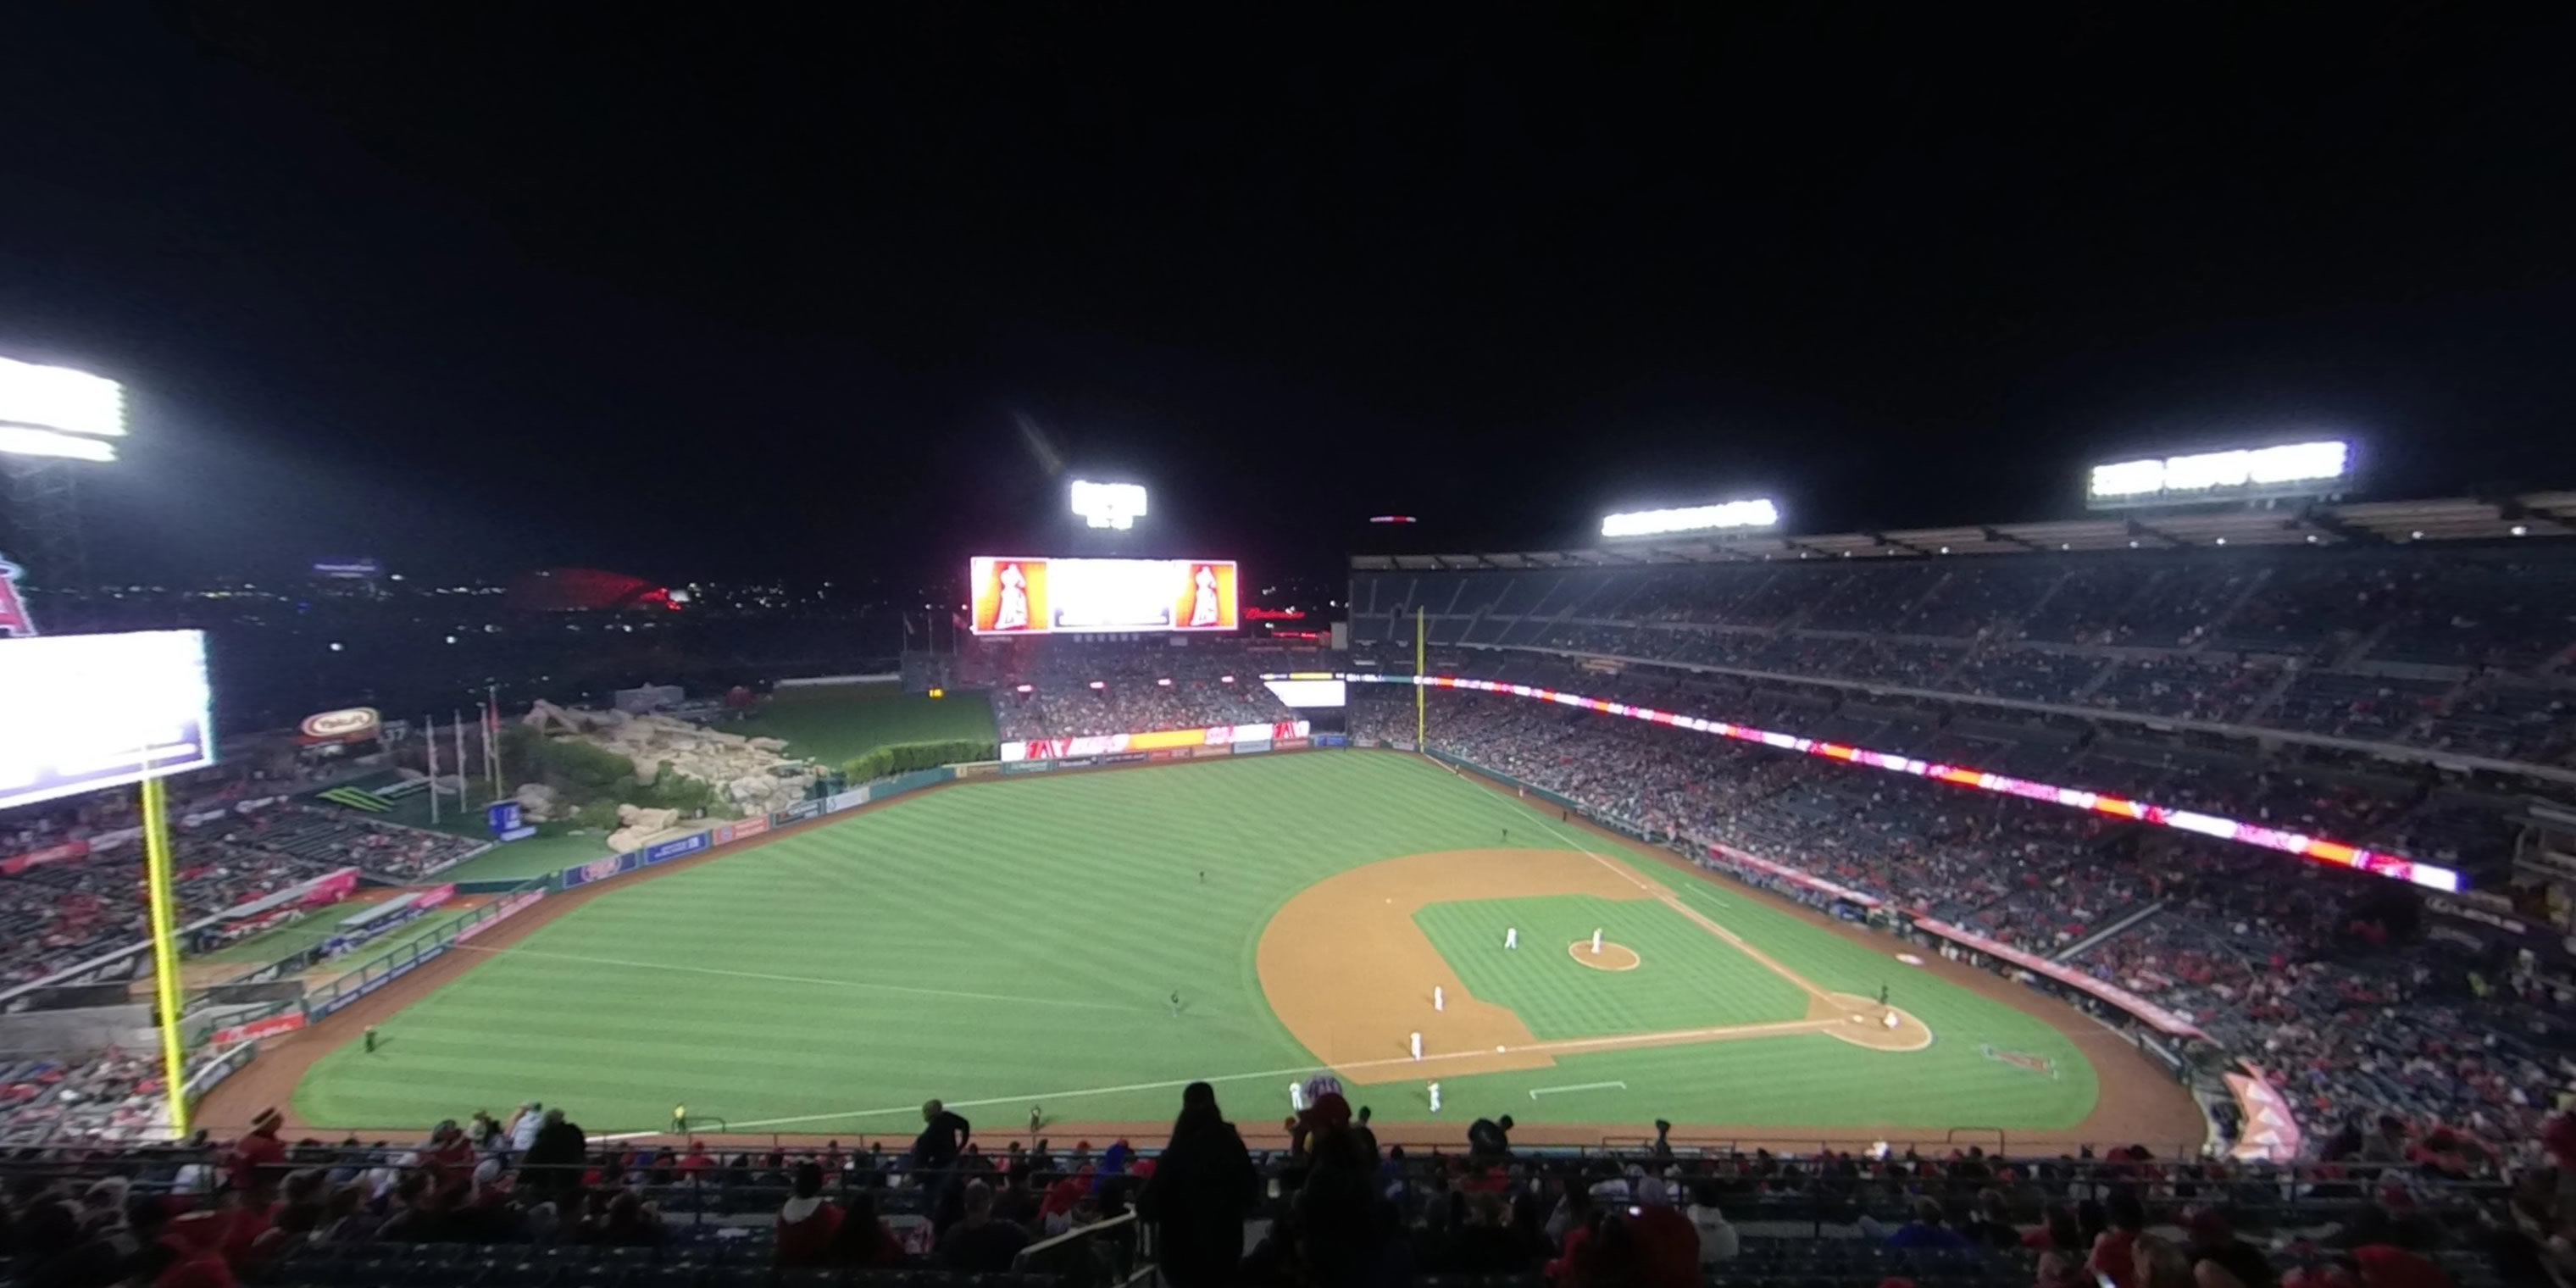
<point x="2457" y="649"/>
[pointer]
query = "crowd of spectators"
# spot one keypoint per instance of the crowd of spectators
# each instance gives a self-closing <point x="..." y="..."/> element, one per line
<point x="1074" y="687"/>
<point x="533" y="1192"/>
<point x="2467" y="652"/>
<point x="2291" y="965"/>
<point x="84" y="896"/>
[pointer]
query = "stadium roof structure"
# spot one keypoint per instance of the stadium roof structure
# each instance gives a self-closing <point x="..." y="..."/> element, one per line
<point x="2537" y="514"/>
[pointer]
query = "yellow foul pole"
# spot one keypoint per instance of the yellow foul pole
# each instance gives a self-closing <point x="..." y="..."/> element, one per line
<point x="165" y="948"/>
<point x="1418" y="739"/>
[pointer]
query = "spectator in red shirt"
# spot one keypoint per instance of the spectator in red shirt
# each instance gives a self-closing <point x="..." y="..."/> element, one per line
<point x="807" y="1222"/>
<point x="260" y="1149"/>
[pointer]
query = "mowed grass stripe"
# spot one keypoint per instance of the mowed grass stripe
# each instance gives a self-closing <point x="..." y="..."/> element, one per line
<point x="1085" y="887"/>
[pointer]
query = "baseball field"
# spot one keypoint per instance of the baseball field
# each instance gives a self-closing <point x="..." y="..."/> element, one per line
<point x="1084" y="944"/>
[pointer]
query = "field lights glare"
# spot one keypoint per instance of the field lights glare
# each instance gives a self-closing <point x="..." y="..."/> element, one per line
<point x="1757" y="513"/>
<point x="2219" y="471"/>
<point x="59" y="398"/>
<point x="24" y="440"/>
<point x="1109" y="505"/>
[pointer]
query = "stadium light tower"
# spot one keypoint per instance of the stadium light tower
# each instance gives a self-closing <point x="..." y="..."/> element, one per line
<point x="52" y="421"/>
<point x="1109" y="505"/>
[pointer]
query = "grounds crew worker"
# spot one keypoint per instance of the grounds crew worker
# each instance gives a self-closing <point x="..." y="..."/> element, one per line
<point x="680" y="1120"/>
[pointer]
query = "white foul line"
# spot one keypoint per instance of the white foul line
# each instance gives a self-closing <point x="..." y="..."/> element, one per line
<point x="1536" y="1092"/>
<point x="1666" y="1038"/>
<point x="796" y="979"/>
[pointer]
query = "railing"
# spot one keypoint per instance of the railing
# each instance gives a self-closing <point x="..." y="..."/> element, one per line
<point x="1102" y="1253"/>
<point x="421" y="947"/>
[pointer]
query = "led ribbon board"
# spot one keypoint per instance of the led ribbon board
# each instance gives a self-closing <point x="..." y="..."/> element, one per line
<point x="2314" y="848"/>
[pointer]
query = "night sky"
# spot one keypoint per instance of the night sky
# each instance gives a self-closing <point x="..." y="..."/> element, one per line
<point x="724" y="291"/>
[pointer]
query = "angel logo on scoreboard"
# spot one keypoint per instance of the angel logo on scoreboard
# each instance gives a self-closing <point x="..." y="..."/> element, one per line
<point x="1013" y="614"/>
<point x="14" y="621"/>
<point x="1206" y="609"/>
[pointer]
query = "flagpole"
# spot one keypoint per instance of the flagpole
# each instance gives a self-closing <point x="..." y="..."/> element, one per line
<point x="492" y="735"/>
<point x="430" y="724"/>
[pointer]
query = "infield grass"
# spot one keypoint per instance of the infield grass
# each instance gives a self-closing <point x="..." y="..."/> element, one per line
<point x="1686" y="978"/>
<point x="1014" y="943"/>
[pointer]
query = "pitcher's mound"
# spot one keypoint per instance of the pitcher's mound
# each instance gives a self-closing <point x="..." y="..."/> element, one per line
<point x="1611" y="957"/>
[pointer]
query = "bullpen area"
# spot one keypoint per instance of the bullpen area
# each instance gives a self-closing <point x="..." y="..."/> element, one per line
<point x="1082" y="945"/>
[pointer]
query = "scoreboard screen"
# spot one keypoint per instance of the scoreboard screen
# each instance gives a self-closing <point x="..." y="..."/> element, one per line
<point x="1047" y="596"/>
<point x="83" y="712"/>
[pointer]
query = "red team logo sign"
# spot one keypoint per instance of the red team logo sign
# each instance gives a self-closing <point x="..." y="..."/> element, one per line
<point x="14" y="621"/>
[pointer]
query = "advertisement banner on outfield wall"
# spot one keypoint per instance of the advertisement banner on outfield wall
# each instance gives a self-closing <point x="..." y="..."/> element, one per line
<point x="257" y="1029"/>
<point x="676" y="849"/>
<point x="1105" y="744"/>
<point x="743" y="827"/>
<point x="1078" y="762"/>
<point x="978" y="769"/>
<point x="1127" y="758"/>
<point x="599" y="870"/>
<point x="1290" y="744"/>
<point x="1332" y="740"/>
<point x="839" y="801"/>
<point x="1028" y="767"/>
<point x="796" y="813"/>
<point x="1251" y="748"/>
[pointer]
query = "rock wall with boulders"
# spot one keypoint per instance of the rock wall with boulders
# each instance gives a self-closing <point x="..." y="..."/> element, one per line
<point x="750" y="773"/>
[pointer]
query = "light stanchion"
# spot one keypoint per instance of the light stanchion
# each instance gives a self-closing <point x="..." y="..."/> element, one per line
<point x="165" y="948"/>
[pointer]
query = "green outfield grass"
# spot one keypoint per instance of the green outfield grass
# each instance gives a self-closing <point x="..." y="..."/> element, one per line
<point x="1696" y="980"/>
<point x="1011" y="943"/>
<point x="835" y="723"/>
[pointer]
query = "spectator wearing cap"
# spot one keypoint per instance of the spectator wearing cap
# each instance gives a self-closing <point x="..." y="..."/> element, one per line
<point x="256" y="1151"/>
